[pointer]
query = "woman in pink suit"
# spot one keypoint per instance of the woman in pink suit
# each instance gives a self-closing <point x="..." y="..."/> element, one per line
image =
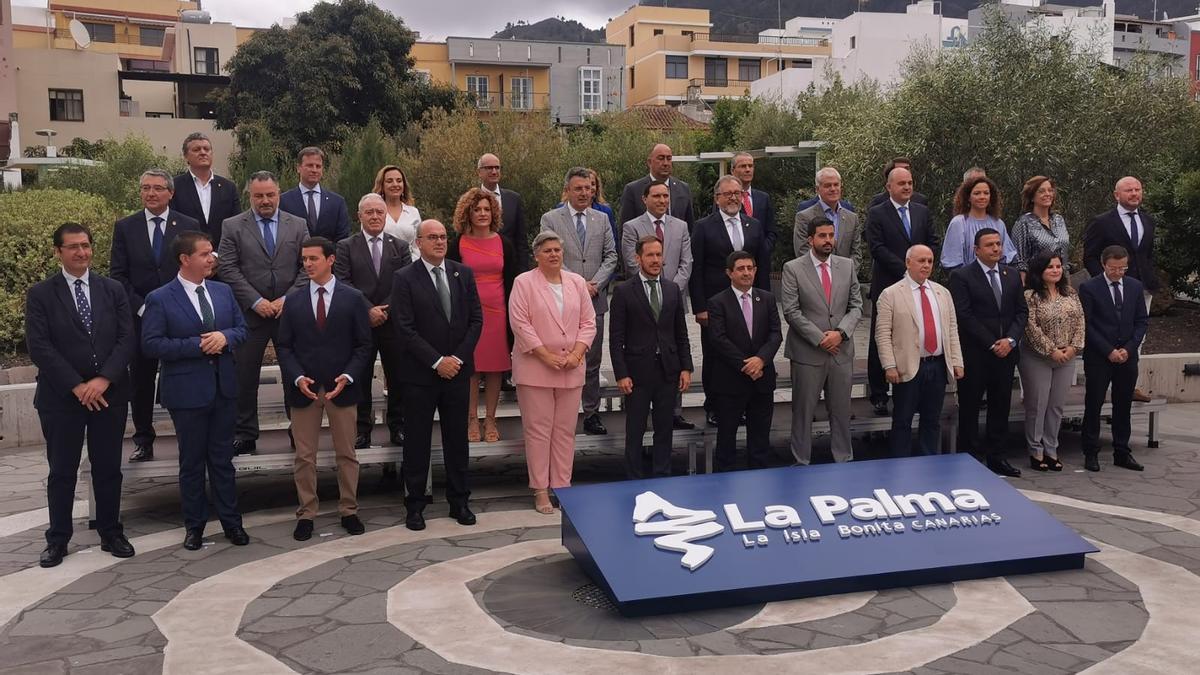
<point x="553" y="324"/>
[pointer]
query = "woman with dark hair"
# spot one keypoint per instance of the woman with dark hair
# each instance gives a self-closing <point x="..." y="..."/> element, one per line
<point x="391" y="183"/>
<point x="977" y="205"/>
<point x="1041" y="228"/>
<point x="493" y="260"/>
<point x="1054" y="336"/>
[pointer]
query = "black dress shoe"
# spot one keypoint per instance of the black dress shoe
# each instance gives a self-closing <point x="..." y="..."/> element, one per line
<point x="303" y="531"/>
<point x="117" y="545"/>
<point x="1001" y="467"/>
<point x="53" y="555"/>
<point x="414" y="520"/>
<point x="880" y="408"/>
<point x="245" y="447"/>
<point x="679" y="423"/>
<point x="362" y="441"/>
<point x="397" y="438"/>
<point x="1126" y="461"/>
<point x="291" y="439"/>
<point x="592" y="425"/>
<point x="143" y="453"/>
<point x="237" y="536"/>
<point x="352" y="524"/>
<point x="742" y="420"/>
<point x="194" y="539"/>
<point x="507" y="384"/>
<point x="1091" y="463"/>
<point x="463" y="515"/>
<point x="710" y="418"/>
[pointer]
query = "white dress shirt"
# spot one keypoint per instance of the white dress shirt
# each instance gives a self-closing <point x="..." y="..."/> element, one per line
<point x="433" y="279"/>
<point x="557" y="291"/>
<point x="150" y="224"/>
<point x="204" y="192"/>
<point x="316" y="198"/>
<point x="312" y="296"/>
<point x="495" y="193"/>
<point x="1107" y="282"/>
<point x="1124" y="213"/>
<point x="190" y="290"/>
<point x="405" y="229"/>
<point x="937" y="315"/>
<point x="87" y="285"/>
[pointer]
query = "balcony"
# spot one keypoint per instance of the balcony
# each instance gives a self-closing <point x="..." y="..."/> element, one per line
<point x="718" y="82"/>
<point x="784" y="41"/>
<point x="509" y="101"/>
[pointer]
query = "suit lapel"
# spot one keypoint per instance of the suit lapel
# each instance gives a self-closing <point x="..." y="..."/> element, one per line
<point x="547" y="296"/>
<point x="810" y="274"/>
<point x="66" y="295"/>
<point x="569" y="218"/>
<point x="185" y="304"/>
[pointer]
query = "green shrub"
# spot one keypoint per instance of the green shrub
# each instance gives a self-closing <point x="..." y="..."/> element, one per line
<point x="115" y="178"/>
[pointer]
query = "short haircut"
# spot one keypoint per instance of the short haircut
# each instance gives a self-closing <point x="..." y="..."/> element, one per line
<point x="327" y="247"/>
<point x="479" y="162"/>
<point x="647" y="239"/>
<point x="646" y="191"/>
<point x="983" y="232"/>
<point x="370" y="197"/>
<point x="1038" y="265"/>
<point x="543" y="237"/>
<point x="726" y="179"/>
<point x="818" y="222"/>
<point x="1114" y="252"/>
<point x="310" y="150"/>
<point x="185" y="242"/>
<point x="192" y="137"/>
<point x="159" y="173"/>
<point x="732" y="259"/>
<point x="826" y="172"/>
<point x="974" y="169"/>
<point x="736" y="155"/>
<point x="63" y="230"/>
<point x="578" y="172"/>
<point x="887" y="170"/>
<point x="261" y="176"/>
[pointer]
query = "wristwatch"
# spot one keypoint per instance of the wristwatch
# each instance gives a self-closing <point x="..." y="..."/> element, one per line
<point x="845" y="337"/>
<point x="1012" y="344"/>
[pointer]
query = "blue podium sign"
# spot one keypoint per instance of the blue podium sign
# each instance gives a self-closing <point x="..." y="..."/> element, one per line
<point x="697" y="542"/>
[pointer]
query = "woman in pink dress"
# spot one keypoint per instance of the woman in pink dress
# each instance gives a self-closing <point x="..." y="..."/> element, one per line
<point x="493" y="260"/>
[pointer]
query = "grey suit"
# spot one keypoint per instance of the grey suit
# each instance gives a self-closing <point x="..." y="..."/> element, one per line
<point x="677" y="248"/>
<point x="253" y="275"/>
<point x="849" y="232"/>
<point x="814" y="370"/>
<point x="595" y="260"/>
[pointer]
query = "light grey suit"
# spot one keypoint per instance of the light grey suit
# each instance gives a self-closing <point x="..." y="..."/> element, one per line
<point x="814" y="370"/>
<point x="246" y="267"/>
<point x="677" y="248"/>
<point x="849" y="232"/>
<point x="595" y="260"/>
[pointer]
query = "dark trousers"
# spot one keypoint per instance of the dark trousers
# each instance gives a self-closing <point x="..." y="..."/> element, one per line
<point x="205" y="437"/>
<point x="64" y="430"/>
<point x="655" y="392"/>
<point x="923" y="394"/>
<point x="1100" y="373"/>
<point x="249" y="358"/>
<point x="143" y="373"/>
<point x="385" y="344"/>
<point x="705" y="369"/>
<point x="759" y="408"/>
<point x="985" y="374"/>
<point x="449" y="399"/>
<point x="877" y="384"/>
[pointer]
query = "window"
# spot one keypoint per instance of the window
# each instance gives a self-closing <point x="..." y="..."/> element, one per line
<point x="478" y="85"/>
<point x="145" y="65"/>
<point x="101" y="32"/>
<point x="749" y="70"/>
<point x="716" y="72"/>
<point x="206" y="61"/>
<point x="590" y="98"/>
<point x="66" y="105"/>
<point x="658" y="31"/>
<point x="631" y="36"/>
<point x="166" y="115"/>
<point x="802" y="63"/>
<point x="631" y="78"/>
<point x="688" y="33"/>
<point x="522" y="93"/>
<point x="151" y="37"/>
<point x="422" y="76"/>
<point x="677" y="67"/>
<point x="853" y="41"/>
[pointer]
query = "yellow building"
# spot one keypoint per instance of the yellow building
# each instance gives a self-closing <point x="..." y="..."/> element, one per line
<point x="672" y="55"/>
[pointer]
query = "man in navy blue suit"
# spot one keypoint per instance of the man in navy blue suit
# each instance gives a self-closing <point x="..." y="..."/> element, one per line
<point x="201" y="194"/>
<point x="324" y="210"/>
<point x="757" y="205"/>
<point x="324" y="348"/>
<point x="80" y="335"/>
<point x="193" y="324"/>
<point x="1115" y="315"/>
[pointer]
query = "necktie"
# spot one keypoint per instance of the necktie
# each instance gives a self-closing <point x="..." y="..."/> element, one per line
<point x="443" y="290"/>
<point x="268" y="237"/>
<point x="655" y="303"/>
<point x="747" y="204"/>
<point x="320" y="308"/>
<point x="748" y="314"/>
<point x="658" y="231"/>
<point x="206" y="310"/>
<point x="994" y="276"/>
<point x="376" y="255"/>
<point x="1134" y="235"/>
<point x="735" y="234"/>
<point x="827" y="283"/>
<point x="85" y="309"/>
<point x="931" y="341"/>
<point x="157" y="241"/>
<point x="581" y="230"/>
<point x="312" y="211"/>
<point x="1118" y="300"/>
<point x="907" y="224"/>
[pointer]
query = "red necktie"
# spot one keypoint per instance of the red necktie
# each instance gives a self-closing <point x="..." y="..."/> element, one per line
<point x="931" y="342"/>
<point x="827" y="283"/>
<point x="747" y="205"/>
<point x="320" y="308"/>
<point x="658" y="231"/>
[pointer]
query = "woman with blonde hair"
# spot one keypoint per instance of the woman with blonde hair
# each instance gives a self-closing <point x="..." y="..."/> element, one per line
<point x="391" y="183"/>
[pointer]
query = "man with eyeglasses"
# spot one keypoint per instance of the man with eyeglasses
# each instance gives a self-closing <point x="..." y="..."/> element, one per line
<point x="512" y="213"/>
<point x="141" y="260"/>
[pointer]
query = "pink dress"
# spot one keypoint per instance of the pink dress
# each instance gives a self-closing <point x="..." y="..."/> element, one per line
<point x="485" y="257"/>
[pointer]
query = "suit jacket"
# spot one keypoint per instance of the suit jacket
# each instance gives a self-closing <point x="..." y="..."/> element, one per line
<point x="764" y="213"/>
<point x="536" y="322"/>
<point x="1107" y="327"/>
<point x="889" y="243"/>
<point x="224" y="204"/>
<point x="808" y="314"/>
<point x="171" y="328"/>
<point x="353" y="265"/>
<point x="980" y="321"/>
<point x="732" y="344"/>
<point x="333" y="219"/>
<point x="897" y="329"/>
<point x="711" y="247"/>
<point x="678" y="261"/>
<point x="849" y="232"/>
<point x="636" y="337"/>
<point x="343" y="346"/>
<point x="598" y="263"/>
<point x="1107" y="229"/>
<point x="249" y="271"/>
<point x="64" y="352"/>
<point x="632" y="206"/>
<point x="513" y="227"/>
<point x="431" y="336"/>
<point x="132" y="260"/>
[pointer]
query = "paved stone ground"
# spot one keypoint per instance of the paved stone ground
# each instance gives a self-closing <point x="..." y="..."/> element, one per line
<point x="332" y="617"/>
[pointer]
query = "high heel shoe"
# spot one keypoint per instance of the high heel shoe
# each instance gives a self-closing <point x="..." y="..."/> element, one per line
<point x="1038" y="464"/>
<point x="490" y="433"/>
<point x="1055" y="464"/>
<point x="541" y="502"/>
<point x="473" y="430"/>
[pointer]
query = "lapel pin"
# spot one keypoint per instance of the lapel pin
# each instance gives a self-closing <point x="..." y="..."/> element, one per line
<point x="456" y="274"/>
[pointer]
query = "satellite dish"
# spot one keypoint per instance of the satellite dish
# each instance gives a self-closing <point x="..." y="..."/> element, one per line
<point x="80" y="34"/>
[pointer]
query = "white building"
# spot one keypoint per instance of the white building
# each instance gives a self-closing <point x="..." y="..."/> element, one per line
<point x="1090" y="28"/>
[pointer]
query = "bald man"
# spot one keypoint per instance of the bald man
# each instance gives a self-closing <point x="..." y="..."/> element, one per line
<point x="660" y="163"/>
<point x="512" y="212"/>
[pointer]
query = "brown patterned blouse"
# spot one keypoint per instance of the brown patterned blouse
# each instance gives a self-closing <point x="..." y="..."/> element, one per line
<point x="1054" y="324"/>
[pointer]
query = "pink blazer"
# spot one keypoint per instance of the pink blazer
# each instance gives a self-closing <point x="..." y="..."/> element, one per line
<point x="535" y="320"/>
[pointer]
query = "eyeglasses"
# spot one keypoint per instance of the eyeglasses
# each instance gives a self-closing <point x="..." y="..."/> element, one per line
<point x="1109" y="268"/>
<point x="155" y="188"/>
<point x="434" y="237"/>
<point x="490" y="168"/>
<point x="730" y="193"/>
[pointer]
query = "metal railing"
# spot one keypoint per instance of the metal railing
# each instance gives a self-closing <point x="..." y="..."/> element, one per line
<point x="717" y="82"/>
<point x="786" y="41"/>
<point x="510" y="101"/>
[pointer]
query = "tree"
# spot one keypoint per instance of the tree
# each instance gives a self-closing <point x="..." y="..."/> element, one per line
<point x="115" y="176"/>
<point x="360" y="159"/>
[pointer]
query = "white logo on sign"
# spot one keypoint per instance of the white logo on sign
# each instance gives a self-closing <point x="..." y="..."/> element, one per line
<point x="679" y="529"/>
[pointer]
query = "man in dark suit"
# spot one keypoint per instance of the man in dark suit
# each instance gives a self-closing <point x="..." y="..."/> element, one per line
<point x="893" y="226"/>
<point x="512" y="212"/>
<point x="324" y="350"/>
<point x="882" y="198"/>
<point x="660" y="165"/>
<point x="757" y="205"/>
<point x="714" y="237"/>
<point x="651" y="356"/>
<point x="324" y="210"/>
<point x="260" y="260"/>
<point x="1128" y="226"/>
<point x="141" y="260"/>
<point x="989" y="303"/>
<point x="79" y="332"/>
<point x="436" y="313"/>
<point x="368" y="261"/>
<point x="193" y="325"/>
<point x="1116" y="324"/>
<point x="199" y="193"/>
<point x="745" y="334"/>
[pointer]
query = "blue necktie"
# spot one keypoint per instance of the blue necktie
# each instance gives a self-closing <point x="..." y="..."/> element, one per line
<point x="581" y="230"/>
<point x="157" y="242"/>
<point x="1133" y="232"/>
<point x="907" y="224"/>
<point x="268" y="237"/>
<point x="85" y="309"/>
